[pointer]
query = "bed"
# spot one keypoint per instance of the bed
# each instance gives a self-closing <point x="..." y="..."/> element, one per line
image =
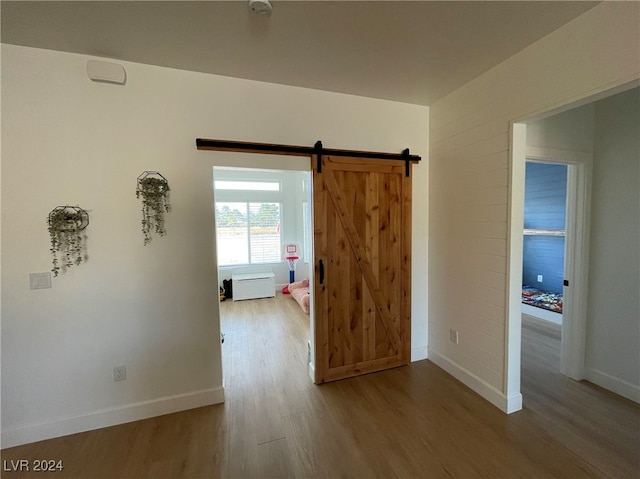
<point x="542" y="299"/>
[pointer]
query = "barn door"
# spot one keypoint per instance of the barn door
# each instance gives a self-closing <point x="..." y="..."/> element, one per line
<point x="362" y="233"/>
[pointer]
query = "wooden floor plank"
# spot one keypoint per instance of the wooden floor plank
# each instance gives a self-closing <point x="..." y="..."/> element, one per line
<point x="413" y="421"/>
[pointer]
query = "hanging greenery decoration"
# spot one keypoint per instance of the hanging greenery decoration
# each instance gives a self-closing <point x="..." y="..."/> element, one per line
<point x="153" y="188"/>
<point x="68" y="244"/>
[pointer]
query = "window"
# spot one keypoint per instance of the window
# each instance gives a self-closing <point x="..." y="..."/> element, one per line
<point x="247" y="185"/>
<point x="248" y="232"/>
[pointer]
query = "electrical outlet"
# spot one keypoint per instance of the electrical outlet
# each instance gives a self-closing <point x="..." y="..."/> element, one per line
<point x="539" y="278"/>
<point x="453" y="336"/>
<point x="119" y="373"/>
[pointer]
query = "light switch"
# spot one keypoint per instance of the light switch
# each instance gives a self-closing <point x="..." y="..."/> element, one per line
<point x="40" y="280"/>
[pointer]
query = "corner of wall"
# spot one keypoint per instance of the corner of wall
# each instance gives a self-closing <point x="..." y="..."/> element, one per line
<point x="616" y="385"/>
<point x="507" y="404"/>
<point x="418" y="354"/>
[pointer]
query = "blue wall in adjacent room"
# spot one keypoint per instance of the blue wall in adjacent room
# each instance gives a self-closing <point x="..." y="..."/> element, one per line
<point x="544" y="209"/>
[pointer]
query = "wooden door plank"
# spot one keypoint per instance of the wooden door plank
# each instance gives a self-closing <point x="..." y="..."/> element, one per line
<point x="377" y="168"/>
<point x="371" y="216"/>
<point x="394" y="248"/>
<point x="320" y="302"/>
<point x="369" y="315"/>
<point x="405" y="326"/>
<point x="389" y="267"/>
<point x="337" y="266"/>
<point x="353" y="237"/>
<point x="383" y="348"/>
<point x="354" y="187"/>
<point x="364" y="164"/>
<point x="364" y="367"/>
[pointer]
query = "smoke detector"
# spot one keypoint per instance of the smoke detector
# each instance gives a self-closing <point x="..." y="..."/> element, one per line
<point x="260" y="7"/>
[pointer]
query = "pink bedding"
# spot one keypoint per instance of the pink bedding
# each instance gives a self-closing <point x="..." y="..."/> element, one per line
<point x="299" y="291"/>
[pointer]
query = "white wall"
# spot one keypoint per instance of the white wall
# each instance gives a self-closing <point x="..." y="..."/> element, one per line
<point x="470" y="178"/>
<point x="613" y="313"/>
<point x="569" y="131"/>
<point x="67" y="140"/>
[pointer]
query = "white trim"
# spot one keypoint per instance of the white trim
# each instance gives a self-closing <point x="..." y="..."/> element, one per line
<point x="538" y="154"/>
<point x="617" y="385"/>
<point x="515" y="240"/>
<point x="506" y="404"/>
<point x="574" y="320"/>
<point x="112" y="416"/>
<point x="418" y="354"/>
<point x="543" y="314"/>
<point x="312" y="372"/>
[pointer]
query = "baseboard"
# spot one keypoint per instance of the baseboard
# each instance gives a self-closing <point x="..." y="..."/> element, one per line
<point x="112" y="416"/>
<point x="418" y="354"/>
<point x="541" y="313"/>
<point x="514" y="403"/>
<point x="312" y="372"/>
<point x="484" y="389"/>
<point x="616" y="385"/>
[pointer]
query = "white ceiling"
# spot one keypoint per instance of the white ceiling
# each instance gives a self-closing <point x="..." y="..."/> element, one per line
<point x="413" y="51"/>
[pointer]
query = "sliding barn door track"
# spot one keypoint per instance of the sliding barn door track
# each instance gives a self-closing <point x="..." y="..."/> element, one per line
<point x="309" y="151"/>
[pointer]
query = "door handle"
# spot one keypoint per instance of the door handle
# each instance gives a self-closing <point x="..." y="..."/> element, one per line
<point x="321" y="271"/>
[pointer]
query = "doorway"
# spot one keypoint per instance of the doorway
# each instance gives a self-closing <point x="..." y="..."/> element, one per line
<point x="576" y="232"/>
<point x="375" y="243"/>
<point x="543" y="270"/>
<point x="598" y="140"/>
<point x="562" y="138"/>
<point x="545" y="211"/>
<point x="257" y="212"/>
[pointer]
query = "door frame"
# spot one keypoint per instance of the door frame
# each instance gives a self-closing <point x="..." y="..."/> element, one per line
<point x="515" y="220"/>
<point x="576" y="259"/>
<point x="277" y="164"/>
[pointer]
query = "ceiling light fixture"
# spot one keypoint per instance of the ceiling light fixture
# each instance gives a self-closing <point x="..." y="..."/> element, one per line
<point x="260" y="7"/>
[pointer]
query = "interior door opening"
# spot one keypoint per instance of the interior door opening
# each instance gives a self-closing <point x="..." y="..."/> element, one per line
<point x="363" y="325"/>
<point x="543" y="266"/>
<point x="574" y="278"/>
<point x="257" y="213"/>
<point x="544" y="245"/>
<point x="597" y="138"/>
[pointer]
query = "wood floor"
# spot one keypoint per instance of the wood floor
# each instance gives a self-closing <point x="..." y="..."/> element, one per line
<point x="410" y="422"/>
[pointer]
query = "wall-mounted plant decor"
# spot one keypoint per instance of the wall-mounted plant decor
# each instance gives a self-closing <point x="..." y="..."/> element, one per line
<point x="65" y="226"/>
<point x="153" y="188"/>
